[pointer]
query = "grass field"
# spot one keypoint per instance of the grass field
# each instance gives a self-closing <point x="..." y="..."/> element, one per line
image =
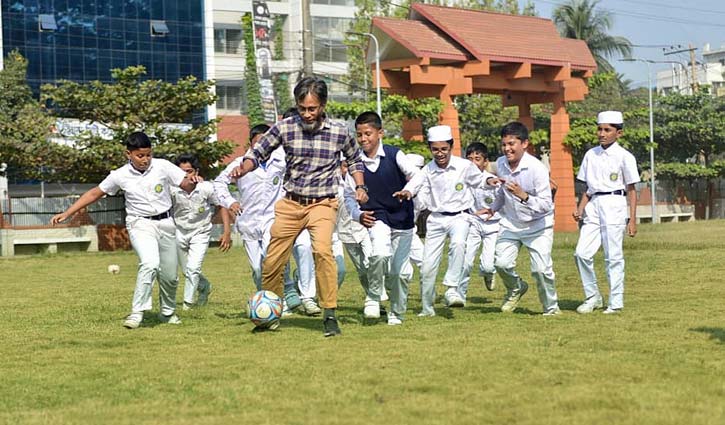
<point x="66" y="359"/>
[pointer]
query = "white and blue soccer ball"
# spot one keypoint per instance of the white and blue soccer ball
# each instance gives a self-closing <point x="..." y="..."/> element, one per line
<point x="265" y="308"/>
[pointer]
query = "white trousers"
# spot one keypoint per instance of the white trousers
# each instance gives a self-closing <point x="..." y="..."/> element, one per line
<point x="390" y="252"/>
<point x="438" y="228"/>
<point x="480" y="235"/>
<point x="339" y="253"/>
<point x="539" y="243"/>
<point x="155" y="244"/>
<point x="302" y="251"/>
<point x="360" y="254"/>
<point x="192" y="247"/>
<point x="604" y="225"/>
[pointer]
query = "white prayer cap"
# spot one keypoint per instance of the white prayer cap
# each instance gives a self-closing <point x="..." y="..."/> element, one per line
<point x="416" y="159"/>
<point x="440" y="133"/>
<point x="610" y="117"/>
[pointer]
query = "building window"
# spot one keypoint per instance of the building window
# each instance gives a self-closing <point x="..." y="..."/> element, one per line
<point x="230" y="98"/>
<point x="229" y="41"/>
<point x="329" y="34"/>
<point x="47" y="23"/>
<point x="335" y="2"/>
<point x="159" y="29"/>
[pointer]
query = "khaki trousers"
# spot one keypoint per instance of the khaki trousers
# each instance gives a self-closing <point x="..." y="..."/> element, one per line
<point x="290" y="218"/>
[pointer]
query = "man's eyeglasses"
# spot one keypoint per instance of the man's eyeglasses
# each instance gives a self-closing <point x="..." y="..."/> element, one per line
<point x="311" y="109"/>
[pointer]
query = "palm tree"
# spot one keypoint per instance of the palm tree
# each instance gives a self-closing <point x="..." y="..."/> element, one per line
<point x="579" y="19"/>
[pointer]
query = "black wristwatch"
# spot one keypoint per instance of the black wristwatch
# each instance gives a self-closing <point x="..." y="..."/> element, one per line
<point x="361" y="186"/>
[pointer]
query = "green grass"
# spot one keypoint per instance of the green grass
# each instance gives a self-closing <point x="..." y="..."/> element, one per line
<point x="65" y="358"/>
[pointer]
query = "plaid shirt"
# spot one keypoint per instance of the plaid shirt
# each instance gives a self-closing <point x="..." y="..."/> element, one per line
<point x="313" y="159"/>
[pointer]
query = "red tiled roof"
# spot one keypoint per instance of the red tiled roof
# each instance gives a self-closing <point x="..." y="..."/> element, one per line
<point x="421" y="38"/>
<point x="503" y="37"/>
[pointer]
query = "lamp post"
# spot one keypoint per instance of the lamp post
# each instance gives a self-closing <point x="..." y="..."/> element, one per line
<point x="651" y="135"/>
<point x="377" y="68"/>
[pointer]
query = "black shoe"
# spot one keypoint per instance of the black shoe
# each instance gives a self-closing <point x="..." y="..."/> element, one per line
<point x="383" y="312"/>
<point x="331" y="327"/>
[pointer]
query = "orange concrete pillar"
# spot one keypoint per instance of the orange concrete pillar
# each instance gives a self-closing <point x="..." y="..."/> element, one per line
<point x="526" y="119"/>
<point x="562" y="171"/>
<point x="413" y="129"/>
<point x="449" y="117"/>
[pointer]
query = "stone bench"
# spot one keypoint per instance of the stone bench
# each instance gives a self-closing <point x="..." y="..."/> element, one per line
<point x="48" y="239"/>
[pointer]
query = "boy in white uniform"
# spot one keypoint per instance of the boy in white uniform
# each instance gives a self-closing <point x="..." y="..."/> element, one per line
<point x="610" y="173"/>
<point x="527" y="218"/>
<point x="258" y="193"/>
<point x="146" y="185"/>
<point x="192" y="215"/>
<point x="482" y="232"/>
<point x="447" y="180"/>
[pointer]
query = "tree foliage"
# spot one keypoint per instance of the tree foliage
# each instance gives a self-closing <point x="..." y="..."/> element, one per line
<point x="25" y="127"/>
<point x="130" y="104"/>
<point x="580" y="19"/>
<point x="280" y="80"/>
<point x="251" y="78"/>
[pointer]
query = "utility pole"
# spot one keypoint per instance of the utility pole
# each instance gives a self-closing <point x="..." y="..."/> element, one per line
<point x="306" y="39"/>
<point x="693" y="61"/>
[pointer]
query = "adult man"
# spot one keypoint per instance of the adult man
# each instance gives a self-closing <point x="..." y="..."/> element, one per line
<point x="312" y="145"/>
<point x="610" y="173"/>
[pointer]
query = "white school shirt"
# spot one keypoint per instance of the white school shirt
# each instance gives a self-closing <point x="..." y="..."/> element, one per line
<point x="404" y="165"/>
<point x="146" y="193"/>
<point x="484" y="197"/>
<point x="447" y="188"/>
<point x="258" y="190"/>
<point x="607" y="170"/>
<point x="194" y="211"/>
<point x="533" y="177"/>
<point x="349" y="229"/>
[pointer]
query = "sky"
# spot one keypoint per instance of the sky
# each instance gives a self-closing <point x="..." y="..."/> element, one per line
<point x="654" y="24"/>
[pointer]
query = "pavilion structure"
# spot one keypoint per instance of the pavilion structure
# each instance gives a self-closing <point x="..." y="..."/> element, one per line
<point x="445" y="52"/>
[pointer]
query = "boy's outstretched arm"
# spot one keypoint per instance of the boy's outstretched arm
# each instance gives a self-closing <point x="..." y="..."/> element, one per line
<point x="86" y="199"/>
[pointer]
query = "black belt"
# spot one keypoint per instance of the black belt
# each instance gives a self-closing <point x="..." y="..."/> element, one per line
<point x="450" y="214"/>
<point x="304" y="200"/>
<point x="161" y="216"/>
<point x="614" y="192"/>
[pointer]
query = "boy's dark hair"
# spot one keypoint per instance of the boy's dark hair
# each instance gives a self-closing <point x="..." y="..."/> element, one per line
<point x="477" y="147"/>
<point x="188" y="158"/>
<point x="257" y="129"/>
<point x="370" y="118"/>
<point x="290" y="112"/>
<point x="137" y="140"/>
<point x="517" y="129"/>
<point x="311" y="85"/>
<point x="617" y="126"/>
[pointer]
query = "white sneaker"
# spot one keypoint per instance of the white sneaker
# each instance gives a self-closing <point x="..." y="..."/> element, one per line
<point x="394" y="320"/>
<point x="285" y="309"/>
<point x="553" y="312"/>
<point x="426" y="314"/>
<point x="186" y="307"/>
<point x="133" y="320"/>
<point x="454" y="299"/>
<point x="512" y="298"/>
<point x="310" y="307"/>
<point x="170" y="320"/>
<point x="371" y="310"/>
<point x="590" y="304"/>
<point x="611" y="310"/>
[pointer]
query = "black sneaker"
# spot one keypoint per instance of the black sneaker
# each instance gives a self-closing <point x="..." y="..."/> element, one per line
<point x="331" y="327"/>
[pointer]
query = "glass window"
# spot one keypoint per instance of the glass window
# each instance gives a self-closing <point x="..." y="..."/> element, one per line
<point x="219" y="40"/>
<point x="229" y="41"/>
<point x="159" y="29"/>
<point x="329" y="34"/>
<point x="47" y="23"/>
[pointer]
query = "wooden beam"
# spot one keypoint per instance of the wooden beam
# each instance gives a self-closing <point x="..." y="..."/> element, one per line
<point x="430" y="74"/>
<point x="558" y="73"/>
<point x="517" y="70"/>
<point x="500" y="82"/>
<point x="475" y="68"/>
<point x="574" y="89"/>
<point x="394" y="80"/>
<point x="402" y="63"/>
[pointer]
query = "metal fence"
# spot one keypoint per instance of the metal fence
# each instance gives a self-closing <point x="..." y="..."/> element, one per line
<point x="32" y="212"/>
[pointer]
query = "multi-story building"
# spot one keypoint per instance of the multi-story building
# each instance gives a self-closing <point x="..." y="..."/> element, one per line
<point x="82" y="40"/>
<point x="711" y="72"/>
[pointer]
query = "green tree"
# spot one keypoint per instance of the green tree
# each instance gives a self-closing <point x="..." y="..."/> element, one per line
<point x="130" y="104"/>
<point x="25" y="127"/>
<point x="251" y="78"/>
<point x="580" y="19"/>
<point x="280" y="81"/>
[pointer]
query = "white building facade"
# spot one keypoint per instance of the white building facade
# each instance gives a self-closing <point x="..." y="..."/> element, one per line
<point x="711" y="72"/>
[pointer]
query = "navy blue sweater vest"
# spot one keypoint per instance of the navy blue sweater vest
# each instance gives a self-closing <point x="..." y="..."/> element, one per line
<point x="385" y="181"/>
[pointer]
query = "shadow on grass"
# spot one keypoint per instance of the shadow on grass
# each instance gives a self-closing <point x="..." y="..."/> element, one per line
<point x="569" y="305"/>
<point x="715" y="333"/>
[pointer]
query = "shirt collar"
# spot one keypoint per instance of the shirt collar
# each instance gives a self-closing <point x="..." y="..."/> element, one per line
<point x="137" y="172"/>
<point x="523" y="164"/>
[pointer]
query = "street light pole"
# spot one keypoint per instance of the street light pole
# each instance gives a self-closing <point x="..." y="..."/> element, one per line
<point x="377" y="68"/>
<point x="651" y="136"/>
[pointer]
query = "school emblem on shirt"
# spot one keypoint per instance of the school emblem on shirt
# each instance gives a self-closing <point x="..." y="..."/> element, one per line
<point x="275" y="180"/>
<point x="201" y="209"/>
<point x="459" y="187"/>
<point x="489" y="200"/>
<point x="613" y="177"/>
<point x="158" y="188"/>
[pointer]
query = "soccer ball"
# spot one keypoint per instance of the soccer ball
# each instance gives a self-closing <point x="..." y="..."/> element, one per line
<point x="265" y="309"/>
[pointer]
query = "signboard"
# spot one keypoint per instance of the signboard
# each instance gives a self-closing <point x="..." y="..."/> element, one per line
<point x="261" y="27"/>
